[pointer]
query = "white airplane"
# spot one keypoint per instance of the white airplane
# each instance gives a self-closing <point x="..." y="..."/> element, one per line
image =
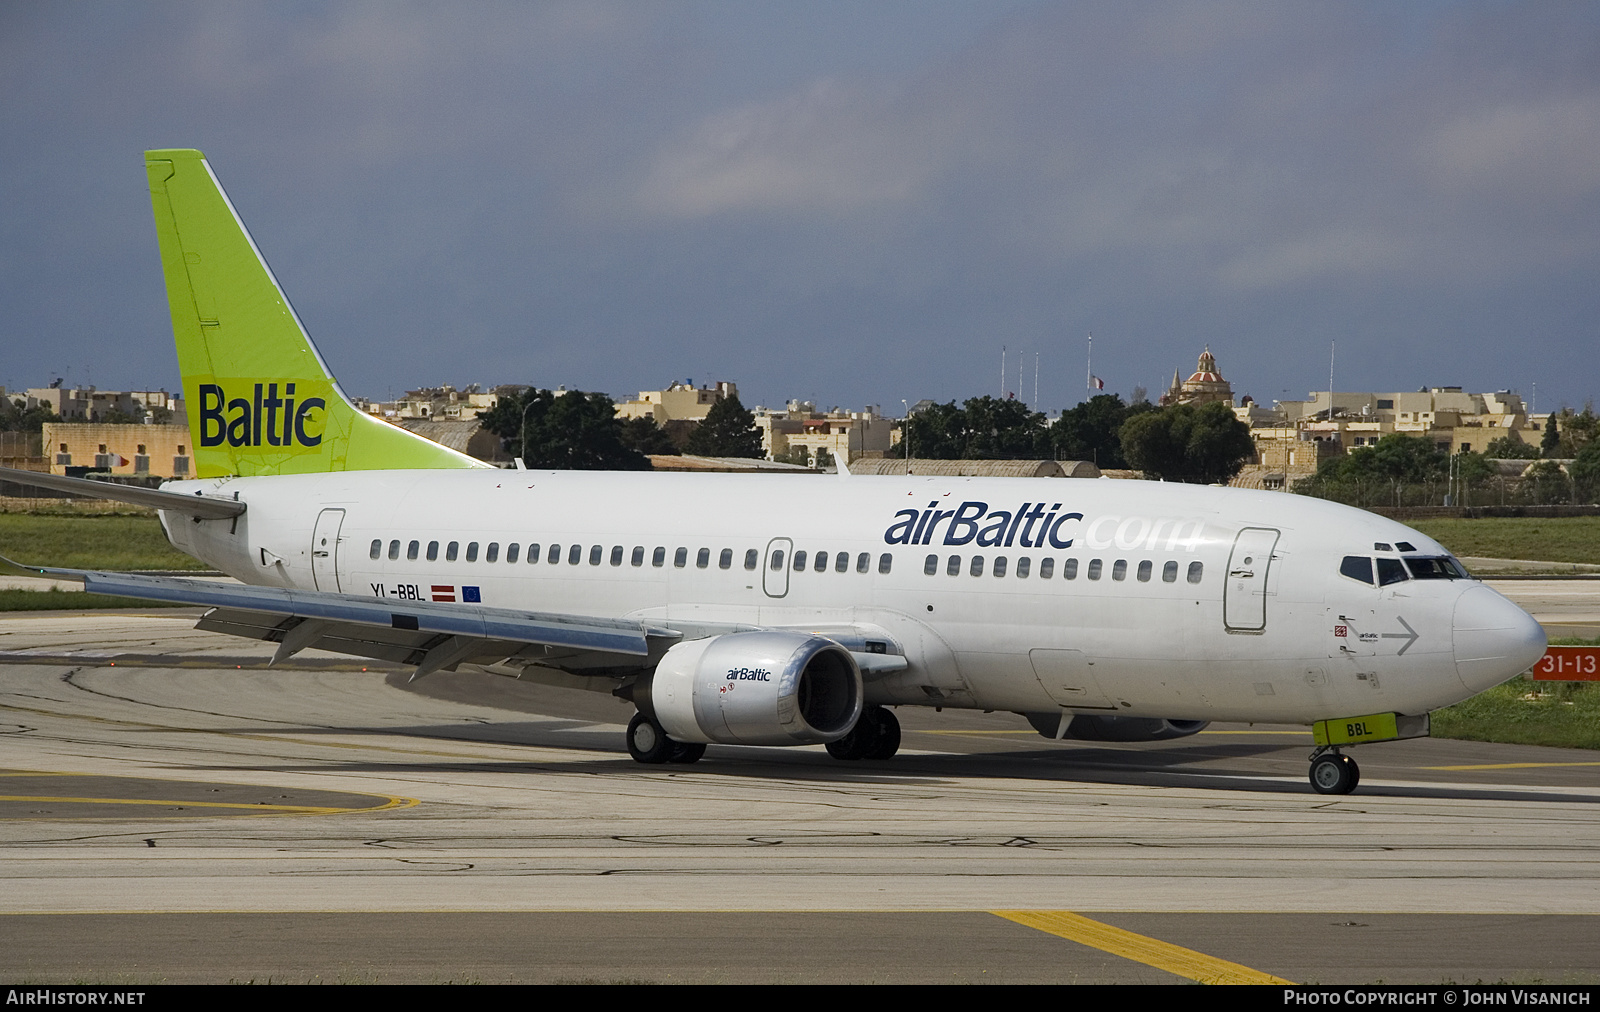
<point x="781" y="610"/>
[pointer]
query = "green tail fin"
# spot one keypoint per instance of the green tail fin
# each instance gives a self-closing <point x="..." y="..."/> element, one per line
<point x="260" y="400"/>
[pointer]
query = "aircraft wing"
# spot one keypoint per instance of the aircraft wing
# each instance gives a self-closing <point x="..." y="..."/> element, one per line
<point x="428" y="635"/>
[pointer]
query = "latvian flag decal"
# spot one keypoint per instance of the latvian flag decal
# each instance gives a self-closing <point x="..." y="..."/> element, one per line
<point x="444" y="593"/>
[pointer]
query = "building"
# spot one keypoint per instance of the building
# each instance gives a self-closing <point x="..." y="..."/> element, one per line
<point x="1204" y="386"/>
<point x="88" y="404"/>
<point x="1454" y="420"/>
<point x="801" y="430"/>
<point x="158" y="451"/>
<point x="680" y="402"/>
<point x="441" y="402"/>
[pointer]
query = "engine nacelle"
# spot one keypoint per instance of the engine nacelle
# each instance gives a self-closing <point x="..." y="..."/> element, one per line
<point x="1093" y="727"/>
<point x="755" y="688"/>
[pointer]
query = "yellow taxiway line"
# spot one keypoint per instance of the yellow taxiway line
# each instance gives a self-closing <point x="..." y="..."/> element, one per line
<point x="1187" y="963"/>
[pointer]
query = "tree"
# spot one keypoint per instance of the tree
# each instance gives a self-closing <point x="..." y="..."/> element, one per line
<point x="728" y="431"/>
<point x="645" y="436"/>
<point x="1550" y="444"/>
<point x="16" y="416"/>
<point x="1092" y="430"/>
<point x="1577" y="429"/>
<point x="1205" y="444"/>
<point x="983" y="428"/>
<point x="1585" y="472"/>
<point x="1510" y="448"/>
<point x="574" y="431"/>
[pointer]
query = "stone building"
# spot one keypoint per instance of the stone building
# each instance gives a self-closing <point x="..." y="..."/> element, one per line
<point x="1204" y="386"/>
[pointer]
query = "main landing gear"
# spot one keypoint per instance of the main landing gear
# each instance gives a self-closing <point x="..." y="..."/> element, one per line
<point x="875" y="736"/>
<point x="1332" y="772"/>
<point x="648" y="743"/>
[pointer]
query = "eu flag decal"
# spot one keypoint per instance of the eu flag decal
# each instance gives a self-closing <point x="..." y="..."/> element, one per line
<point x="469" y="595"/>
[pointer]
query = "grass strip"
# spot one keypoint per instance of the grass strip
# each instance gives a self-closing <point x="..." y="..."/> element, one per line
<point x="74" y="600"/>
<point x="1526" y="712"/>
<point x="1543" y="539"/>
<point x="118" y="543"/>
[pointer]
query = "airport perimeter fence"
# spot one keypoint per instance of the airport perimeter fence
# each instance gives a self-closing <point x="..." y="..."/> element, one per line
<point x="1544" y="490"/>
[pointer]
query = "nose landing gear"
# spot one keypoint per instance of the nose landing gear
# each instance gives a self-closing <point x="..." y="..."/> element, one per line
<point x="1333" y="772"/>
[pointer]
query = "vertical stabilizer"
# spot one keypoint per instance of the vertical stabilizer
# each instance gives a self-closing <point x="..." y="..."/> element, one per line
<point x="260" y="400"/>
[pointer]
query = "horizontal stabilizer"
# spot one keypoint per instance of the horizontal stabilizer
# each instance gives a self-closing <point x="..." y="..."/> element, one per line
<point x="199" y="506"/>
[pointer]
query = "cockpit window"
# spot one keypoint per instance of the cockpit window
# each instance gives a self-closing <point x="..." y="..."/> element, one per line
<point x="1381" y="547"/>
<point x="1405" y="546"/>
<point x="1435" y="568"/>
<point x="1357" y="567"/>
<point x="1391" y="571"/>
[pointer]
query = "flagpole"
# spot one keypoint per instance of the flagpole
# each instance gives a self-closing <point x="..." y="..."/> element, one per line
<point x="1088" y="380"/>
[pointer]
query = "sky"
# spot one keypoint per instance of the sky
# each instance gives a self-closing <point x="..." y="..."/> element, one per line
<point x="851" y="203"/>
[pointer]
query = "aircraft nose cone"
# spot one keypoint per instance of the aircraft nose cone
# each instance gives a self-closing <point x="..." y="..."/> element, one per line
<point x="1494" y="639"/>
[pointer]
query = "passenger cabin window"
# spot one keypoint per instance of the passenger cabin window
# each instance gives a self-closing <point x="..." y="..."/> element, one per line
<point x="1357" y="567"/>
<point x="702" y="558"/>
<point x="777" y="560"/>
<point x="885" y="563"/>
<point x="1023" y="565"/>
<point x="554" y="556"/>
<point x="1144" y="570"/>
<point x="638" y="556"/>
<point x="658" y="558"/>
<point x="821" y="565"/>
<point x="725" y="559"/>
<point x="574" y="555"/>
<point x="680" y="558"/>
<point x="863" y="562"/>
<point x="799" y="562"/>
<point x="752" y="558"/>
<point x="1391" y="571"/>
<point x="841" y="562"/>
<point x="492" y="553"/>
<point x="394" y="550"/>
<point x="512" y="551"/>
<point x="451" y="551"/>
<point x="1196" y="570"/>
<point x="1000" y="566"/>
<point x="976" y="569"/>
<point x="616" y="555"/>
<point x="377" y="547"/>
<point x="1119" y="570"/>
<point x="472" y="551"/>
<point x="1047" y="568"/>
<point x="953" y="566"/>
<point x="535" y="553"/>
<point x="433" y="551"/>
<point x="596" y="553"/>
<point x="1169" y="573"/>
<point x="1094" y="569"/>
<point x="412" y="550"/>
<point x="930" y="565"/>
<point x="1069" y="569"/>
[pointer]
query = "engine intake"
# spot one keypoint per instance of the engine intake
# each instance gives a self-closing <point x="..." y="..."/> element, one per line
<point x="755" y="688"/>
<point x="1093" y="727"/>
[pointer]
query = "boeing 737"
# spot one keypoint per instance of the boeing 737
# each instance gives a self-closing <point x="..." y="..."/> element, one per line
<point x="780" y="610"/>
